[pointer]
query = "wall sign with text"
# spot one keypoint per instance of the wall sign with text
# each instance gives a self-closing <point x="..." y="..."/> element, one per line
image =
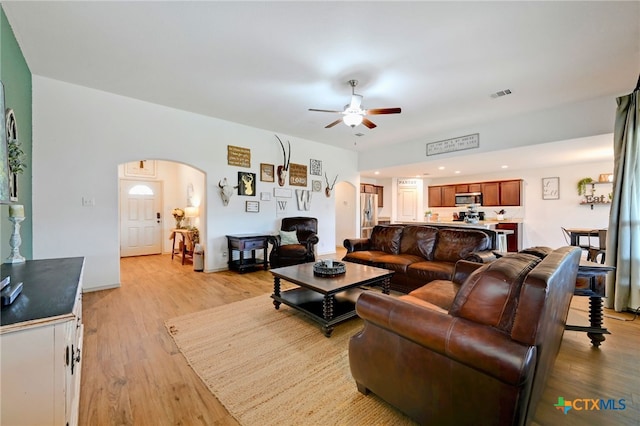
<point x="454" y="144"/>
<point x="551" y="188"/>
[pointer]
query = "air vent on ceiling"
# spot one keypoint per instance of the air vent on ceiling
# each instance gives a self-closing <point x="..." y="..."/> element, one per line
<point x="359" y="134"/>
<point x="501" y="93"/>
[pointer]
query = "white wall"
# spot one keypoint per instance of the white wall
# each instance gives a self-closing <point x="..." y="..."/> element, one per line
<point x="81" y="135"/>
<point x="346" y="201"/>
<point x="571" y="121"/>
<point x="542" y="219"/>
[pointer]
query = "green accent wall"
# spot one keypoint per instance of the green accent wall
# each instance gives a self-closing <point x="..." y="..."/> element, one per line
<point x="16" y="76"/>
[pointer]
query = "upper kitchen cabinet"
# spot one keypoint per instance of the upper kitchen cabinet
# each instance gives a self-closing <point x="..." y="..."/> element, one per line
<point x="503" y="193"/>
<point x="510" y="192"/>
<point x="442" y="196"/>
<point x="499" y="193"/>
<point x="368" y="188"/>
<point x="380" y="192"/>
<point x="490" y="193"/>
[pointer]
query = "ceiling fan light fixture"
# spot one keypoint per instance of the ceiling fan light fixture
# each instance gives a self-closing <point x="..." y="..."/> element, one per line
<point x="352" y="120"/>
<point x="356" y="101"/>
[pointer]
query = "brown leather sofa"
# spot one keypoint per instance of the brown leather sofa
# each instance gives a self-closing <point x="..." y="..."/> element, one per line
<point x="483" y="361"/>
<point x="419" y="254"/>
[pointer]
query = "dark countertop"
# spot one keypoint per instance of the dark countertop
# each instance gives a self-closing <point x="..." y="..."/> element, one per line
<point x="49" y="289"/>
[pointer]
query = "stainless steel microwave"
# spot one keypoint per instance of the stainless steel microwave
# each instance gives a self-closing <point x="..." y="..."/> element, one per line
<point x="469" y="198"/>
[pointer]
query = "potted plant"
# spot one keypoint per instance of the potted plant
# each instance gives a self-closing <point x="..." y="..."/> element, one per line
<point x="178" y="215"/>
<point x="427" y="215"/>
<point x="500" y="214"/>
<point x="582" y="185"/>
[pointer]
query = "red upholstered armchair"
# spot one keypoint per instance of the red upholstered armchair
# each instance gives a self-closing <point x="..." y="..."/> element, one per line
<point x="301" y="248"/>
<point x="485" y="360"/>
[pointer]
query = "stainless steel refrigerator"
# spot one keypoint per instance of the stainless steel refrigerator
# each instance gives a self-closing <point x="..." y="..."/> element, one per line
<point x="368" y="214"/>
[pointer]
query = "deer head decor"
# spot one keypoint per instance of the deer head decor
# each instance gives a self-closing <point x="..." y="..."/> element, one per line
<point x="284" y="168"/>
<point x="226" y="191"/>
<point x="329" y="188"/>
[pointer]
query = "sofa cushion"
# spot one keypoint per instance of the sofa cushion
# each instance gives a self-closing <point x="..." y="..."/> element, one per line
<point x="386" y="238"/>
<point x="397" y="262"/>
<point x="366" y="257"/>
<point x="428" y="271"/>
<point x="438" y="292"/>
<point x="455" y="244"/>
<point x="490" y="297"/>
<point x="419" y="241"/>
<point x="292" y="250"/>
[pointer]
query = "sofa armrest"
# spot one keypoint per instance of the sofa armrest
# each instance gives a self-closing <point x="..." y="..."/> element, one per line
<point x="311" y="240"/>
<point x="475" y="345"/>
<point x="274" y="240"/>
<point x="463" y="269"/>
<point x="356" y="244"/>
<point x="486" y="256"/>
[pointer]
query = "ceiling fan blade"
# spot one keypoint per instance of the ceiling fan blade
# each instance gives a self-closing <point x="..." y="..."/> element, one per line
<point x="325" y="110"/>
<point x="370" y="124"/>
<point x="333" y="124"/>
<point x="376" y="111"/>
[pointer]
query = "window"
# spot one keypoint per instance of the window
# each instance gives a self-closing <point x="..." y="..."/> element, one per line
<point x="141" y="190"/>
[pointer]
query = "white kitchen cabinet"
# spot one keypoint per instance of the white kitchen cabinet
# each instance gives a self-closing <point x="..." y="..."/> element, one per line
<point x="41" y="344"/>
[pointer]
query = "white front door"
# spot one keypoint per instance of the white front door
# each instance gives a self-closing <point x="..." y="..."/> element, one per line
<point x="140" y="217"/>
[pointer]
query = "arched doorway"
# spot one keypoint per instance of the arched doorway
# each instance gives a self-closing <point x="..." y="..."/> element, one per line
<point x="169" y="185"/>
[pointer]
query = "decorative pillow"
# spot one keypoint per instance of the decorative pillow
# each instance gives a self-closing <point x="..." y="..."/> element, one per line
<point x="288" y="237"/>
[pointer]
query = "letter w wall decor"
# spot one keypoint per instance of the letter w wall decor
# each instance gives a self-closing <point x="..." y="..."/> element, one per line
<point x="304" y="199"/>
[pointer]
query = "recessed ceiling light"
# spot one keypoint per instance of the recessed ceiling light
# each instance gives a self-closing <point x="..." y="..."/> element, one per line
<point x="457" y="171"/>
<point x="441" y="168"/>
<point x="376" y="172"/>
<point x="505" y="166"/>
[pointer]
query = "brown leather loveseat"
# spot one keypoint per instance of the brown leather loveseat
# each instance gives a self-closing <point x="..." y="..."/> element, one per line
<point x="485" y="360"/>
<point x="419" y="254"/>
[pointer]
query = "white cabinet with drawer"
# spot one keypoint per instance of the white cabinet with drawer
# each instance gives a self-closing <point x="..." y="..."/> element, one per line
<point x="41" y="344"/>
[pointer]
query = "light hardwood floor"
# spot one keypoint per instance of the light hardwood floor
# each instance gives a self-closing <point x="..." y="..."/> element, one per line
<point x="133" y="374"/>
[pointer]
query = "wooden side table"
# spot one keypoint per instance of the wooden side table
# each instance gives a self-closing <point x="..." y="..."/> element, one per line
<point x="242" y="243"/>
<point x="591" y="283"/>
<point x="183" y="244"/>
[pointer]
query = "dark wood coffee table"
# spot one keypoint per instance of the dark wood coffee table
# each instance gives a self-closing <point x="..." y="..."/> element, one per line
<point x="316" y="295"/>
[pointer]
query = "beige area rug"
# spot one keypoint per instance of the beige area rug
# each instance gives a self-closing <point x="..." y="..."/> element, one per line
<point x="270" y="367"/>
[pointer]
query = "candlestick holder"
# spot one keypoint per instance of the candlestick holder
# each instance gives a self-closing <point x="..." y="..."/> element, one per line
<point x="15" y="241"/>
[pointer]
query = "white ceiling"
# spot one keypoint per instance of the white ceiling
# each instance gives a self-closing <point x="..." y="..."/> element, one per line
<point x="264" y="64"/>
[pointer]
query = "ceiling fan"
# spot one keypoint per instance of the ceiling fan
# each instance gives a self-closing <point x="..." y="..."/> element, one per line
<point x="353" y="113"/>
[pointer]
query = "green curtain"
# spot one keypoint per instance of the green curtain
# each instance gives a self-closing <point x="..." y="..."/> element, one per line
<point x="623" y="237"/>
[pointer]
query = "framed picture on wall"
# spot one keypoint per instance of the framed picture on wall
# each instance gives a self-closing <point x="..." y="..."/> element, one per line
<point x="315" y="167"/>
<point x="252" y="206"/>
<point x="247" y="184"/>
<point x="5" y="195"/>
<point x="266" y="172"/>
<point x="551" y="188"/>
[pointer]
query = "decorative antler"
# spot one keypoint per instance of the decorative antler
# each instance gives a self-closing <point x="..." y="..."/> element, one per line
<point x="286" y="160"/>
<point x="282" y="170"/>
<point x="329" y="188"/>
